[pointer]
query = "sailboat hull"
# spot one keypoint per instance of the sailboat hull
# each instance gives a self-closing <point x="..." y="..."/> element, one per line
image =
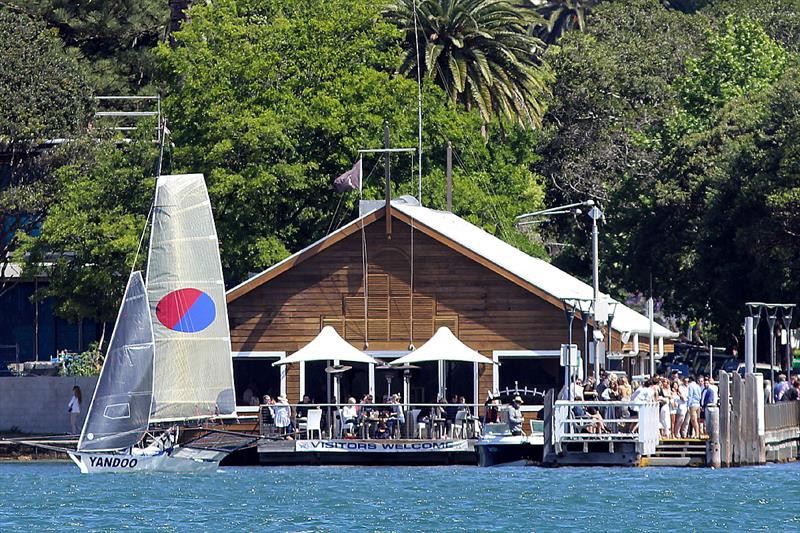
<point x="176" y="460"/>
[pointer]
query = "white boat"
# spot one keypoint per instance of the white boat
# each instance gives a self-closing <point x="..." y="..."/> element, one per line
<point x="169" y="359"/>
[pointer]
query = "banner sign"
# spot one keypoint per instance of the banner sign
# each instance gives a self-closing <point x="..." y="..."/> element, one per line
<point x="380" y="447"/>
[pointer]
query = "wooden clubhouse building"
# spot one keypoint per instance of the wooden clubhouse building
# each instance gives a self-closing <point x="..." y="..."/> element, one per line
<point x="389" y="280"/>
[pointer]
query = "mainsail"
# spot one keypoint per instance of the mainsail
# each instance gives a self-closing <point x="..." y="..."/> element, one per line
<point x="193" y="366"/>
<point x="119" y="413"/>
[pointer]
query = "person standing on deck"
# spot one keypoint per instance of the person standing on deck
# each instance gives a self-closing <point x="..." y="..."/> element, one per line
<point x="693" y="397"/>
<point x="515" y="418"/>
<point x="709" y="397"/>
<point x="74" y="409"/>
<point x="780" y="388"/>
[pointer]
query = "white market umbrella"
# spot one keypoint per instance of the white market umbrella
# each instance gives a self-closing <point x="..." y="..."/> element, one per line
<point x="327" y="346"/>
<point x="443" y="346"/>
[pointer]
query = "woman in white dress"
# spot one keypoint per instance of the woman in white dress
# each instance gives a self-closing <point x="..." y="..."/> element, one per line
<point x="74" y="409"/>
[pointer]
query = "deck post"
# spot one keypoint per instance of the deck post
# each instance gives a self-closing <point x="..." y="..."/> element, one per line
<point x="713" y="457"/>
<point x="724" y="418"/>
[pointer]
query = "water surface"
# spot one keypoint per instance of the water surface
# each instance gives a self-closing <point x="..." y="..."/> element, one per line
<point x="44" y="497"/>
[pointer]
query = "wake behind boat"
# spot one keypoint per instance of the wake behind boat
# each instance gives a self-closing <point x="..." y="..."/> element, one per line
<point x="169" y="359"/>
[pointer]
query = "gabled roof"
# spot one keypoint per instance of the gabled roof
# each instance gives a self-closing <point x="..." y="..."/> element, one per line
<point x="531" y="273"/>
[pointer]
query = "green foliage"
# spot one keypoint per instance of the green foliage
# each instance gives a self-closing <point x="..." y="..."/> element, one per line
<point x="479" y="52"/>
<point x="43" y="96"/>
<point x="685" y="127"/>
<point x="272" y="100"/>
<point x="779" y="18"/>
<point x="87" y="363"/>
<point x="116" y="36"/>
<point x="562" y="16"/>
<point x="741" y="59"/>
<point x="90" y="237"/>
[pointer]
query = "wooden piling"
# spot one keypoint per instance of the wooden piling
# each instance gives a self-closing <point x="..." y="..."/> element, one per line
<point x="725" y="418"/>
<point x="713" y="457"/>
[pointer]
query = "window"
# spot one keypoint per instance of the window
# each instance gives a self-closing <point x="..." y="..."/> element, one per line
<point x="254" y="376"/>
<point x="534" y="369"/>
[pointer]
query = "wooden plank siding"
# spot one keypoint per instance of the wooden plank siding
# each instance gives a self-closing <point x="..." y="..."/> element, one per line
<point x="484" y="309"/>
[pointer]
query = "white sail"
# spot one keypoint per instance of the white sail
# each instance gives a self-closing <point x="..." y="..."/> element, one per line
<point x="120" y="409"/>
<point x="193" y="375"/>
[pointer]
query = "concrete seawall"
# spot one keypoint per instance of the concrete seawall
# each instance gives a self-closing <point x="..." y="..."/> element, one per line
<point x="38" y="404"/>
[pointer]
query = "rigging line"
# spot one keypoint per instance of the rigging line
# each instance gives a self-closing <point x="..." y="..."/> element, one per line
<point x="335" y="212"/>
<point x="411" y="327"/>
<point x="141" y="237"/>
<point x="473" y="156"/>
<point x="366" y="282"/>
<point x="497" y="218"/>
<point x="419" y="106"/>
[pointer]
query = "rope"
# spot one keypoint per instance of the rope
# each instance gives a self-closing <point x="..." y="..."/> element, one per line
<point x="366" y="282"/>
<point x="419" y="108"/>
<point x="411" y="329"/>
<point x="141" y="238"/>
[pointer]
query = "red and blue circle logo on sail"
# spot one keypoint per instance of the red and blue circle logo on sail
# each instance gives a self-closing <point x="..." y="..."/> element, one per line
<point x="186" y="310"/>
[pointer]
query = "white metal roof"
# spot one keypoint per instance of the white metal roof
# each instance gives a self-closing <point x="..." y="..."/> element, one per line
<point x="542" y="274"/>
<point x="537" y="272"/>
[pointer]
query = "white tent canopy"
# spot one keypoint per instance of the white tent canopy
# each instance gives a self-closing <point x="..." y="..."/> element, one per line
<point x="443" y="346"/>
<point x="327" y="346"/>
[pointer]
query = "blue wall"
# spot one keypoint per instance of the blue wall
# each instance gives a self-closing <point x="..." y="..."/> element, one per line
<point x="17" y="326"/>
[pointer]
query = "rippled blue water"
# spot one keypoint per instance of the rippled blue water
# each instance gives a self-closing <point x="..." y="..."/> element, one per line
<point x="54" y="497"/>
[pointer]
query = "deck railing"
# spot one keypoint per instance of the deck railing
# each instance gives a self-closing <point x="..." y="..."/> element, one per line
<point x="781" y="415"/>
<point x="628" y="421"/>
<point x="417" y="420"/>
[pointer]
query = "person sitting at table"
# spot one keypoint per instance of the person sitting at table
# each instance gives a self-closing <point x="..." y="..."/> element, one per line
<point x="450" y="415"/>
<point x="302" y="408"/>
<point x="382" y="432"/>
<point x="367" y="415"/>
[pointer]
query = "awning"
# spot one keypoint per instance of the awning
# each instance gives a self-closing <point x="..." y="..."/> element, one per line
<point x="443" y="346"/>
<point x="327" y="346"/>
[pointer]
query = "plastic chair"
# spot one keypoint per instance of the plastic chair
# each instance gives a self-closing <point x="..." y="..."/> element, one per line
<point x="458" y="425"/>
<point x="418" y="427"/>
<point x="313" y="422"/>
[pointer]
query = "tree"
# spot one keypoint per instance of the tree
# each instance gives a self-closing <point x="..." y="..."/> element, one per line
<point x="478" y="51"/>
<point x="727" y="185"/>
<point x="56" y="105"/>
<point x="562" y="16"/>
<point x="272" y="100"/>
<point x="88" y="242"/>
<point x="117" y="37"/>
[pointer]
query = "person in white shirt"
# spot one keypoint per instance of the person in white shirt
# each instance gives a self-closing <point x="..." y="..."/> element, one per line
<point x="74" y="409"/>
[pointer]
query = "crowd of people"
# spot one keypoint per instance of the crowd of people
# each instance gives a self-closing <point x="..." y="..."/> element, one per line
<point x="784" y="391"/>
<point x="683" y="402"/>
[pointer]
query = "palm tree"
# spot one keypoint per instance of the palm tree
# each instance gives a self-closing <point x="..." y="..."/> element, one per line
<point x="478" y="51"/>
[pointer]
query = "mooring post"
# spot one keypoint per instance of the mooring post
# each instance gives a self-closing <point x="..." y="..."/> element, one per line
<point x="713" y="454"/>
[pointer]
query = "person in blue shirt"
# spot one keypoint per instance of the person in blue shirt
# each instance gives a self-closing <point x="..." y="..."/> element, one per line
<point x="708" y="398"/>
<point x="693" y="400"/>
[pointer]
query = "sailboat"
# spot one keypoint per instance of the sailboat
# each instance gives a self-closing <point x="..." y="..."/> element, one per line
<point x="169" y="359"/>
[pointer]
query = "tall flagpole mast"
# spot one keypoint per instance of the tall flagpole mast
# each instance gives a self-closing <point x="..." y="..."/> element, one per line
<point x="419" y="107"/>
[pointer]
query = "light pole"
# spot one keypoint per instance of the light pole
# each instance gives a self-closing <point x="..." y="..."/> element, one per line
<point x="595" y="214"/>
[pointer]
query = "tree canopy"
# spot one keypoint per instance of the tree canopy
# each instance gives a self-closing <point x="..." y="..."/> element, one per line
<point x="480" y="52"/>
<point x="44" y="97"/>
<point x="272" y="100"/>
